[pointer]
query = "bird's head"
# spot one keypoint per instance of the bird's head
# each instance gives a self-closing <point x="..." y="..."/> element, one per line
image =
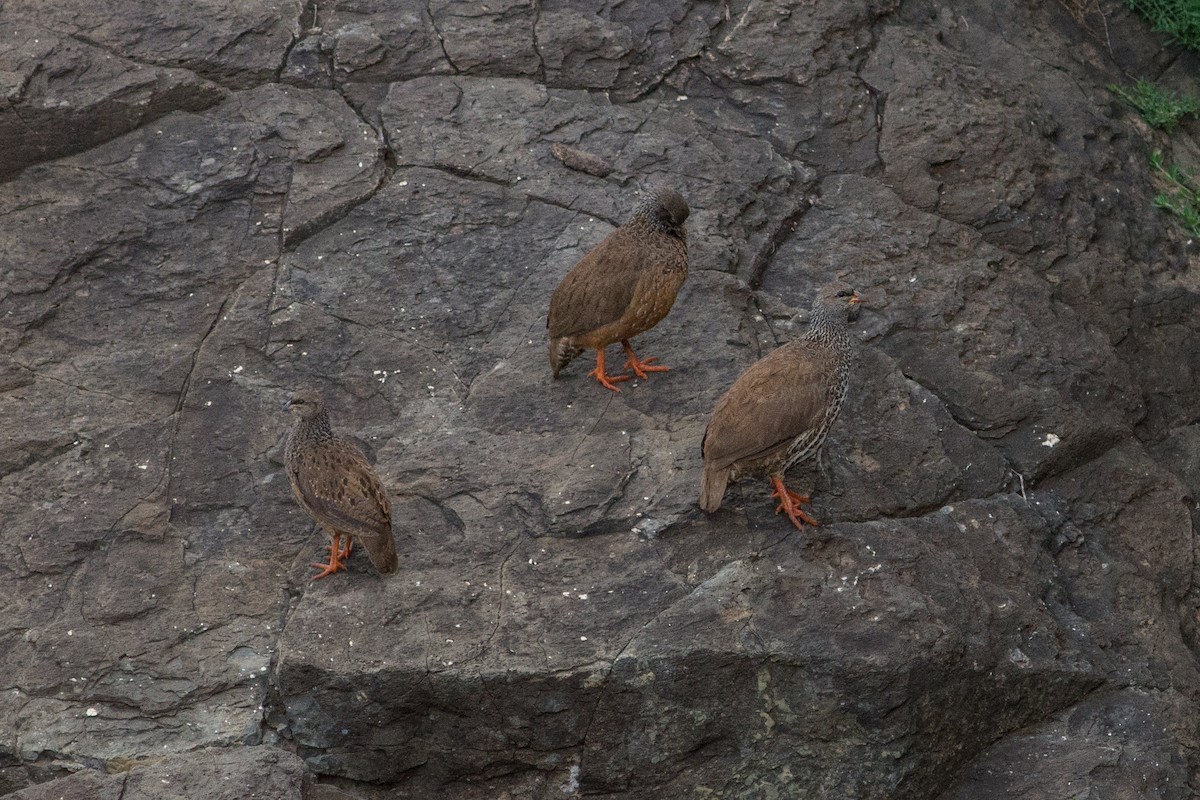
<point x="838" y="299"/>
<point x="305" y="404"/>
<point x="665" y="208"/>
<point x="672" y="208"/>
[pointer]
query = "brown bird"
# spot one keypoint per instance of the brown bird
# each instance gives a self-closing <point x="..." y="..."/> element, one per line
<point x="622" y="287"/>
<point x="335" y="484"/>
<point x="778" y="411"/>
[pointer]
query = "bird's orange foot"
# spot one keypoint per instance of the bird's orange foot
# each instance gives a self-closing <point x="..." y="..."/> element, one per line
<point x="336" y="556"/>
<point x="790" y="502"/>
<point x="608" y="381"/>
<point x="640" y="367"/>
<point x="327" y="569"/>
<point x="605" y="379"/>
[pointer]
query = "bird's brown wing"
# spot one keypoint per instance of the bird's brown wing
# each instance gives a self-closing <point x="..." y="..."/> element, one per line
<point x="599" y="288"/>
<point x="776" y="399"/>
<point x="342" y="491"/>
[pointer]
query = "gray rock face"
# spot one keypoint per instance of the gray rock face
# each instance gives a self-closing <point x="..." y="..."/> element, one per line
<point x="202" y="212"/>
<point x="64" y="95"/>
<point x="222" y="774"/>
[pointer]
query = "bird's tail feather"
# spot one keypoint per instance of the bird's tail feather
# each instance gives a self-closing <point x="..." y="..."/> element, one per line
<point x="712" y="488"/>
<point x="561" y="353"/>
<point x="382" y="552"/>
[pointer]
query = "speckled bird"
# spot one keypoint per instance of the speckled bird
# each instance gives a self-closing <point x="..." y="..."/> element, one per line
<point x="622" y="287"/>
<point x="777" y="413"/>
<point x="335" y="484"/>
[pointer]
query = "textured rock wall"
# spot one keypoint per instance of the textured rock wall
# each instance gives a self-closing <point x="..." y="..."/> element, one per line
<point x="206" y="206"/>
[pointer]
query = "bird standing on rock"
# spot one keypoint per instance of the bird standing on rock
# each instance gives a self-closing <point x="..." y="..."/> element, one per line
<point x="335" y="484"/>
<point x="622" y="287"/>
<point x="779" y="410"/>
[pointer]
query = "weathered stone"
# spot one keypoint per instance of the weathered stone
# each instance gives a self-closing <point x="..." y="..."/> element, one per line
<point x="64" y="95"/>
<point x="128" y="645"/>
<point x="242" y="773"/>
<point x="581" y="160"/>
<point x="642" y="140"/>
<point x="409" y="43"/>
<point x="627" y="49"/>
<point x="1046" y="399"/>
<point x="370" y="204"/>
<point x="728" y="659"/>
<point x="1110" y="745"/>
<point x="236" y="43"/>
<point x="775" y="41"/>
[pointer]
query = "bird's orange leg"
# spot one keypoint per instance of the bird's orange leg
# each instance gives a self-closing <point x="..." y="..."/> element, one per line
<point x="336" y="554"/>
<point x="605" y="379"/>
<point x="639" y="367"/>
<point x="790" y="503"/>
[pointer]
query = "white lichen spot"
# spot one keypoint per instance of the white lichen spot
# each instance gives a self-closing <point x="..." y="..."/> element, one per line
<point x="92" y="712"/>
<point x="583" y="638"/>
<point x="572" y="784"/>
<point x="1050" y="440"/>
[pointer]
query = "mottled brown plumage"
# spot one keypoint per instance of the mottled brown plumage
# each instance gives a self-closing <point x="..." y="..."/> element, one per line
<point x="779" y="410"/>
<point x="335" y="484"/>
<point x="622" y="287"/>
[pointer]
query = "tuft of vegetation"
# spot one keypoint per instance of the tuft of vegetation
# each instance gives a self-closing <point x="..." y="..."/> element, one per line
<point x="1159" y="107"/>
<point x="1182" y="197"/>
<point x="1178" y="19"/>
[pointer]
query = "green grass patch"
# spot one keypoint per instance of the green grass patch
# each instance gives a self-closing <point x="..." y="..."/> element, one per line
<point x="1179" y="19"/>
<point x="1182" y="197"/>
<point x="1159" y="107"/>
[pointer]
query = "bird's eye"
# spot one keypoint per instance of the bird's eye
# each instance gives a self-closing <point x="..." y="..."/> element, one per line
<point x="297" y="402"/>
<point x="845" y="293"/>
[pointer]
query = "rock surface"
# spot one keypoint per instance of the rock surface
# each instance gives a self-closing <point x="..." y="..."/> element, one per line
<point x="203" y="213"/>
<point x="242" y="773"/>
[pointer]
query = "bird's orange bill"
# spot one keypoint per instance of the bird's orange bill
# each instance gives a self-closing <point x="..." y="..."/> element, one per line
<point x="605" y="379"/>
<point x="790" y="502"/>
<point x="639" y="367"/>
